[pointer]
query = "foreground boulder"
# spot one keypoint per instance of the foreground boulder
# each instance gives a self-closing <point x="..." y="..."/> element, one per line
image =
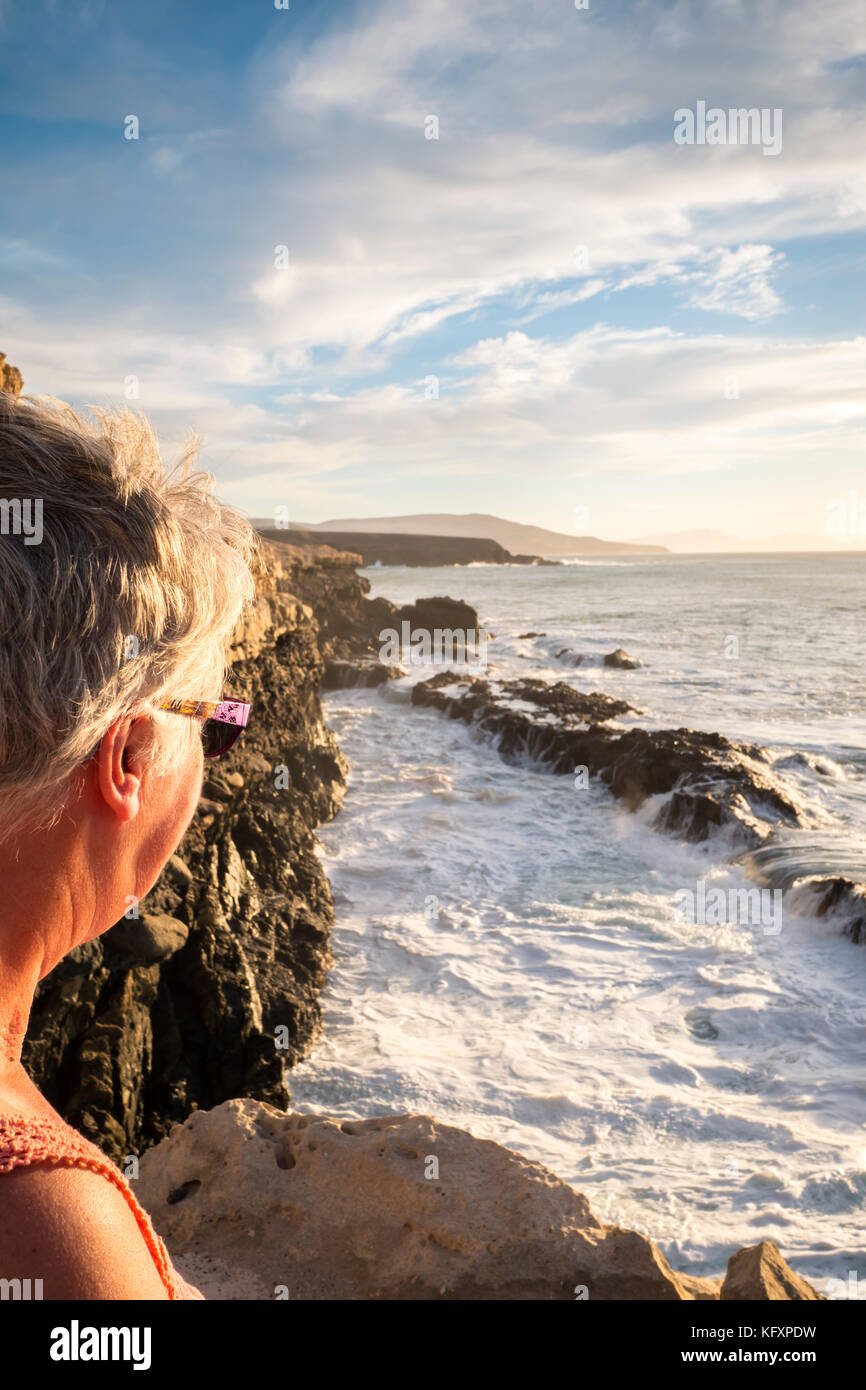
<point x="759" y="1272"/>
<point x="393" y="1207"/>
<point x="254" y="1203"/>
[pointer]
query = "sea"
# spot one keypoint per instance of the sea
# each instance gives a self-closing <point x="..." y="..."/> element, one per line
<point x="511" y="954"/>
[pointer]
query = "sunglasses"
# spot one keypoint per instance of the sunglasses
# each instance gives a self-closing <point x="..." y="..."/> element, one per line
<point x="224" y="721"/>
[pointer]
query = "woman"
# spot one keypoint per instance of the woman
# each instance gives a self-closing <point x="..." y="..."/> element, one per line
<point x="115" y="616"/>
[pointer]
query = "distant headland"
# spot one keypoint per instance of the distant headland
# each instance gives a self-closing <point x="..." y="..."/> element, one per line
<point x="442" y="538"/>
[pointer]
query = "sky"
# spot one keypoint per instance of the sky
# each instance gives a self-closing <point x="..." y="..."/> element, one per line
<point x="448" y="255"/>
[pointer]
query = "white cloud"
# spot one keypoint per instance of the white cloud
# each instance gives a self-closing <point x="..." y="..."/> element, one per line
<point x="560" y="299"/>
<point x="738" y="282"/>
<point x="555" y="130"/>
<point x="650" y="403"/>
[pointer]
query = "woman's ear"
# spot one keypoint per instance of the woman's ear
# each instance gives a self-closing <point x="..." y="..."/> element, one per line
<point x="120" y="765"/>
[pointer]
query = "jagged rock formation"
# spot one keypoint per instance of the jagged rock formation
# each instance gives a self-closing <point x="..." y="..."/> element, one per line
<point x="560" y="699"/>
<point x="10" y="377"/>
<point x="621" y="661"/>
<point x="834" y="896"/>
<point x="759" y="1272"/>
<point x="342" y="675"/>
<point x="351" y="623"/>
<point x="257" y="1204"/>
<point x="181" y="1008"/>
<point x="708" y="781"/>
<point x="439" y="611"/>
<point x="348" y="621"/>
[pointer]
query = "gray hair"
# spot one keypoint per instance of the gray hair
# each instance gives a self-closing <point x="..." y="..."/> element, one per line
<point x="130" y="596"/>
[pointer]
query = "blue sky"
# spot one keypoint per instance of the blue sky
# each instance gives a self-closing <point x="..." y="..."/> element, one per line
<point x="436" y="340"/>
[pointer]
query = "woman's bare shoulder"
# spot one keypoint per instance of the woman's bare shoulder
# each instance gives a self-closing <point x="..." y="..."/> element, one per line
<point x="74" y="1230"/>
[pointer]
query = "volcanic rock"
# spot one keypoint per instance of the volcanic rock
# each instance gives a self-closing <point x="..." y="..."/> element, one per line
<point x="342" y="675"/>
<point x="621" y="660"/>
<point x="834" y="896"/>
<point x="703" y="781"/>
<point x="565" y="702"/>
<point x="145" y="939"/>
<point x="441" y="612"/>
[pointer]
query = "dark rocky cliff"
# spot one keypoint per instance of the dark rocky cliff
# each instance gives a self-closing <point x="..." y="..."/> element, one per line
<point x="384" y="548"/>
<point x="212" y="992"/>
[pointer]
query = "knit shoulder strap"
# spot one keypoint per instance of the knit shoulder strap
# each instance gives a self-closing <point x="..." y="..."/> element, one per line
<point x="25" y="1142"/>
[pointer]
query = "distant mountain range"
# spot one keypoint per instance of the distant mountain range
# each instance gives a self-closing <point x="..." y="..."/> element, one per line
<point x="522" y="539"/>
<point x="513" y="535"/>
<point x="707" y="542"/>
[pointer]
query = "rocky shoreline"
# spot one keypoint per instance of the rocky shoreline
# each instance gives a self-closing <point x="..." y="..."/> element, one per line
<point x="697" y="783"/>
<point x="704" y="782"/>
<point x="210" y="988"/>
<point x="170" y="1038"/>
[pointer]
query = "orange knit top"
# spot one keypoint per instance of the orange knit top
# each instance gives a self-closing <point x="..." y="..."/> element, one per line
<point x="25" y="1141"/>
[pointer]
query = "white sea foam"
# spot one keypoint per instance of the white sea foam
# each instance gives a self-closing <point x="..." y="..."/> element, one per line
<point x="509" y="954"/>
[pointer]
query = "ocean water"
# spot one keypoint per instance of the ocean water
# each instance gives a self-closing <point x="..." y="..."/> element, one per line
<point x="509" y="953"/>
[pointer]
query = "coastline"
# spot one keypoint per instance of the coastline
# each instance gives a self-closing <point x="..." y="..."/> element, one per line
<point x="239" y="931"/>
